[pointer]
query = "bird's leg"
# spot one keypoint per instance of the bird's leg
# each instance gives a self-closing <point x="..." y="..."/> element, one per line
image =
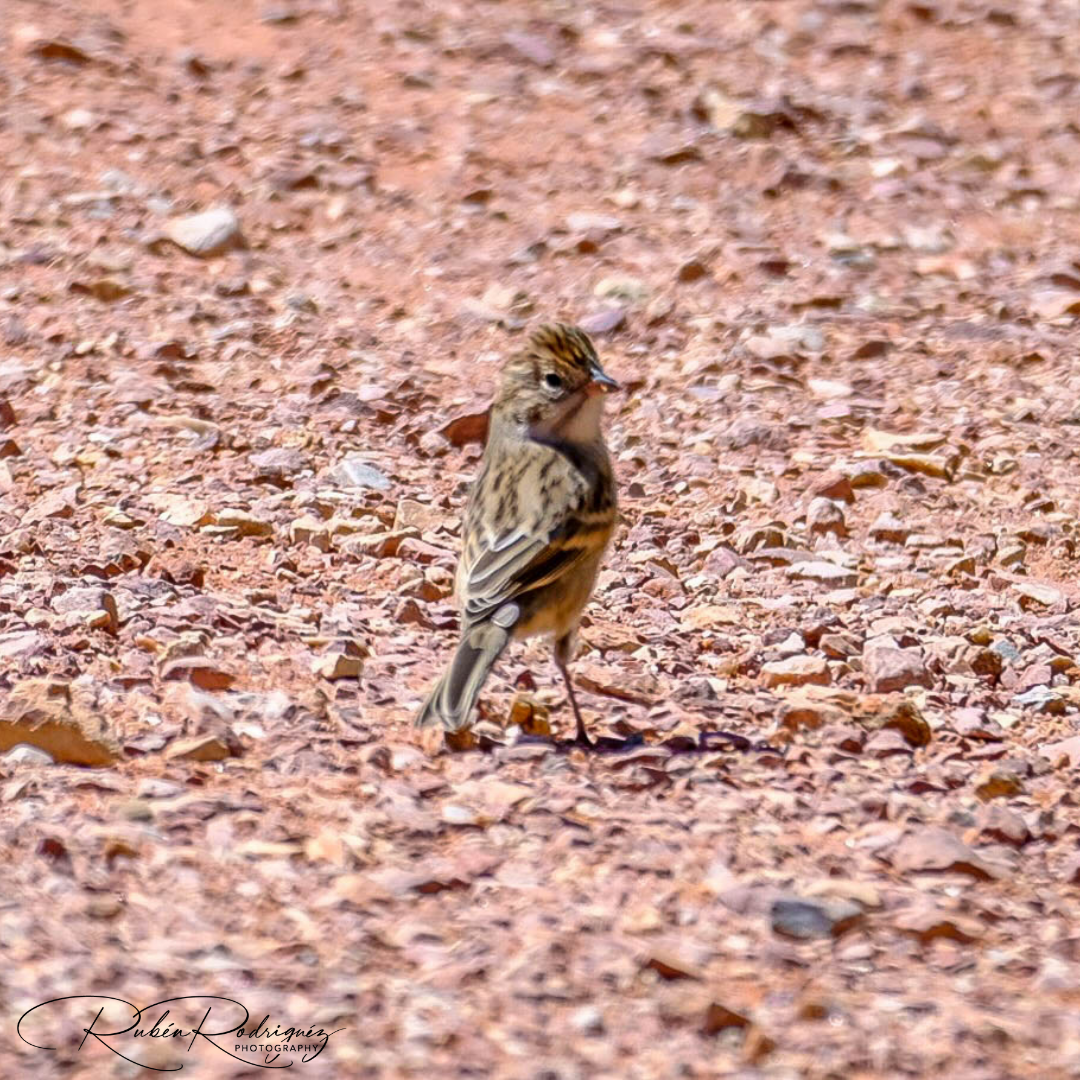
<point x="562" y="655"/>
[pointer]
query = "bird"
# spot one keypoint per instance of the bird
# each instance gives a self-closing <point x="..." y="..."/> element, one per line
<point x="538" y="521"/>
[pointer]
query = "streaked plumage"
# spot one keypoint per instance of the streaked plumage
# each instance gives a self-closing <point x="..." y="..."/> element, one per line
<point x="539" y="518"/>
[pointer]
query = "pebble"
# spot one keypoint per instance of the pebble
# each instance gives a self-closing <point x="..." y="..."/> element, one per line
<point x="996" y="822"/>
<point x="244" y="523"/>
<point x="826" y="516"/>
<point x="25" y="754"/>
<point x="1066" y="748"/>
<point x="342" y="660"/>
<point x="95" y="607"/>
<point x="888" y="668"/>
<point x="1034" y="594"/>
<point x="21" y="644"/>
<point x="200" y="671"/>
<point x="152" y="787"/>
<point x="278" y="463"/>
<point x="927" y="923"/>
<point x="210" y="233"/>
<point x="629" y="290"/>
<point x="1041" y="699"/>
<point x="582" y="221"/>
<point x="588" y="1020"/>
<point x="310" y="530"/>
<point x="890" y="528"/>
<point x="936" y="849"/>
<point x="355" y="471"/>
<point x="805" y="920"/>
<point x="796" y="671"/>
<point x="825" y="572"/>
<point x="199" y="748"/>
<point x="603" y="322"/>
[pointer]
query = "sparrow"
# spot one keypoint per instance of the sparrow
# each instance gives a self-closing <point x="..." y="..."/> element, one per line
<point x="539" y="518"/>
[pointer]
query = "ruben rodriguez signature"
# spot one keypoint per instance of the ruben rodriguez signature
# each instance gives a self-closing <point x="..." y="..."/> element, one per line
<point x="242" y="1037"/>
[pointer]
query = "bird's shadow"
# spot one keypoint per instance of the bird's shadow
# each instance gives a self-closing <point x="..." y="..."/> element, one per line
<point x="706" y="742"/>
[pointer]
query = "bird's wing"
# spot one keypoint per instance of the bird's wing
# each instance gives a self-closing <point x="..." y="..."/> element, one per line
<point x="505" y="567"/>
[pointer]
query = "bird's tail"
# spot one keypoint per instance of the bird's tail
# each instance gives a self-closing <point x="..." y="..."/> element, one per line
<point x="451" y="702"/>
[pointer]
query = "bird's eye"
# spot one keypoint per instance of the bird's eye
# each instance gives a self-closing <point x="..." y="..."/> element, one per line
<point x="553" y="381"/>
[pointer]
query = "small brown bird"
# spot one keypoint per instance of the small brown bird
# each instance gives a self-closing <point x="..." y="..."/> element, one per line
<point x="539" y="517"/>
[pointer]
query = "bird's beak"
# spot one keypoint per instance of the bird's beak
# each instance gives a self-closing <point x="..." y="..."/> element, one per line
<point x="600" y="382"/>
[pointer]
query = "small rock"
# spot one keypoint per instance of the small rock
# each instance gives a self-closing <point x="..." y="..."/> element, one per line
<point x="796" y="671"/>
<point x="885" y="743"/>
<point x="840" y="646"/>
<point x="879" y="441"/>
<point x="628" y="290"/>
<point x="1066" y="748"/>
<point x="92" y="606"/>
<point x="583" y="221"/>
<point x="890" y="528"/>
<point x="530" y="715"/>
<point x="825" y="572"/>
<point x="200" y="748"/>
<point x="862" y="892"/>
<point x="928" y="923"/>
<point x="997" y="822"/>
<point x="420" y="515"/>
<point x="1042" y="699"/>
<point x="310" y="530"/>
<point x="722" y="561"/>
<point x="692" y="270"/>
<point x="409" y="613"/>
<point x="1070" y="871"/>
<point x="355" y="471"/>
<point x="200" y="671"/>
<point x="833" y="485"/>
<point x="1034" y="595"/>
<point x="828" y="389"/>
<point x="889" y="668"/>
<point x="382" y="545"/>
<point x="181" y="511"/>
<point x="531" y="47"/>
<point x="210" y="233"/>
<point x="1005" y="649"/>
<point x="825" y="516"/>
<point x="117" y="519"/>
<point x="103" y="907"/>
<point x="719" y="1017"/>
<point x="152" y="787"/>
<point x="801" y="710"/>
<point x="1012" y="554"/>
<point x="21" y="645"/>
<point x="670" y="966"/>
<point x="244" y="523"/>
<point x="42" y="713"/>
<point x="25" y="754"/>
<point x="972" y="723"/>
<point x="341" y="660"/>
<point x="805" y="920"/>
<point x="588" y="1020"/>
<point x="931" y="849"/>
<point x="603" y="322"/>
<point x="58" y="503"/>
<point x="894" y="712"/>
<point x="278" y="464"/>
<point x="793" y="645"/>
<point x="998" y="783"/>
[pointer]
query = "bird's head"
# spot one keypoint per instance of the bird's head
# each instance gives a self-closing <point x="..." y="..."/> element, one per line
<point x="554" y="383"/>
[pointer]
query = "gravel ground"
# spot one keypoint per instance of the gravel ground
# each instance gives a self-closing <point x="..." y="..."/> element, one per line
<point x="260" y="265"/>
